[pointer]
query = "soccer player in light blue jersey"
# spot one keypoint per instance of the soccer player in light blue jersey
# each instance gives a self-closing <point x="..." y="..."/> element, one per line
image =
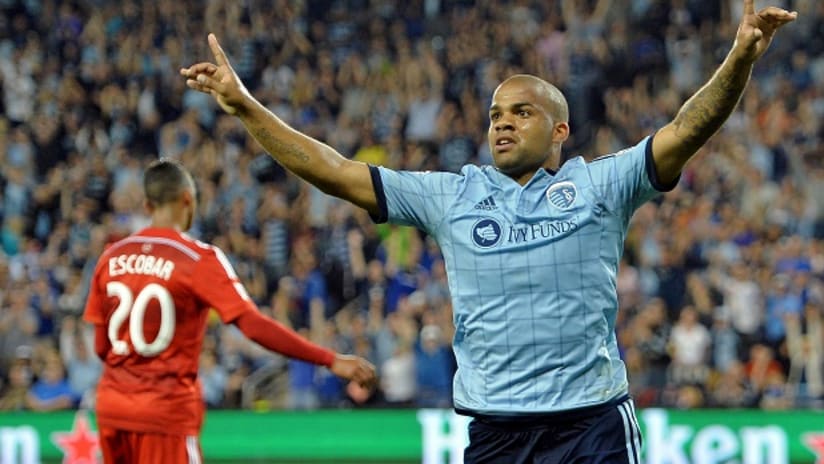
<point x="531" y="247"/>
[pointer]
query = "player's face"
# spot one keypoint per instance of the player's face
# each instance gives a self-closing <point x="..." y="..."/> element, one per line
<point x="520" y="128"/>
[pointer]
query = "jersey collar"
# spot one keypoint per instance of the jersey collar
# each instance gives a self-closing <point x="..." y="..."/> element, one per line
<point x="542" y="176"/>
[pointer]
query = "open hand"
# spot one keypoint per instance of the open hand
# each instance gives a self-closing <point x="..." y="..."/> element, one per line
<point x="756" y="30"/>
<point x="218" y="79"/>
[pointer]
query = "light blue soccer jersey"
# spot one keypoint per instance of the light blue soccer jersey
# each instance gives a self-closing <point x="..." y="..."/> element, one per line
<point x="532" y="275"/>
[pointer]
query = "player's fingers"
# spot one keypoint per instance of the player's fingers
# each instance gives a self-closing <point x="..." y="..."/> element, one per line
<point x="368" y="382"/>
<point x="363" y="383"/>
<point x="367" y="375"/>
<point x="194" y="85"/>
<point x="210" y="84"/>
<point x="749" y="7"/>
<point x="199" y="68"/>
<point x="775" y="15"/>
<point x="217" y="50"/>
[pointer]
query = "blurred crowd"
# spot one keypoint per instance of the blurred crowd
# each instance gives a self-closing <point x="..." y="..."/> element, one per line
<point x="720" y="287"/>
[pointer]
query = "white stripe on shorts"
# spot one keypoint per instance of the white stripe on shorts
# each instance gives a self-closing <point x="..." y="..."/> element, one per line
<point x="639" y="441"/>
<point x="630" y="433"/>
<point x="193" y="450"/>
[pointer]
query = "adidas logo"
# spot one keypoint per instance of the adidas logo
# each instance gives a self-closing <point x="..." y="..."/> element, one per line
<point x="487" y="204"/>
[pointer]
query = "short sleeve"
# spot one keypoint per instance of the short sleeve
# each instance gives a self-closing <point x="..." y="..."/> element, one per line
<point x="216" y="283"/>
<point x="93" y="313"/>
<point x="414" y="198"/>
<point x="627" y="179"/>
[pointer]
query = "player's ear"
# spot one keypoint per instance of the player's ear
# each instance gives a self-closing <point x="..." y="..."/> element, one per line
<point x="148" y="206"/>
<point x="187" y="197"/>
<point x="560" y="132"/>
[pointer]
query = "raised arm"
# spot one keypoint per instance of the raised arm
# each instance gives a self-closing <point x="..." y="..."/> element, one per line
<point x="601" y="9"/>
<point x="309" y="159"/>
<point x="704" y="113"/>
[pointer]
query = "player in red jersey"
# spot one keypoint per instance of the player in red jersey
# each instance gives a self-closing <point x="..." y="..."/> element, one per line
<point x="149" y="300"/>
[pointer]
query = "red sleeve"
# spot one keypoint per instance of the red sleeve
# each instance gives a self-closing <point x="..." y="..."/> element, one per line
<point x="93" y="312"/>
<point x="275" y="336"/>
<point x="217" y="284"/>
<point x="101" y="341"/>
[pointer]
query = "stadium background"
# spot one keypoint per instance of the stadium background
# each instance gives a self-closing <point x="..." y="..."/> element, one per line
<point x="720" y="288"/>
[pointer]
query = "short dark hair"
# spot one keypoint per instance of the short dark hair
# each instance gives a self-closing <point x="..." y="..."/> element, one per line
<point x="164" y="180"/>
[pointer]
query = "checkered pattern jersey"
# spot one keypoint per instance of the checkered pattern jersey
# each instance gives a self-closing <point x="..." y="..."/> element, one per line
<point x="532" y="274"/>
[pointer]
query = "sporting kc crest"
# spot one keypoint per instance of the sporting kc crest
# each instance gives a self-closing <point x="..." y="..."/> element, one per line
<point x="562" y="195"/>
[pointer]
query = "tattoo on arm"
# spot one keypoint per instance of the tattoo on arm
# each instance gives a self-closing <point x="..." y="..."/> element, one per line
<point x="282" y="151"/>
<point x="704" y="113"/>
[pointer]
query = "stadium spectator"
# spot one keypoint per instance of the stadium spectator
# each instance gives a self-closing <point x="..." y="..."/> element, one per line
<point x="15" y="393"/>
<point x="398" y="376"/>
<point x="51" y="391"/>
<point x="434" y="369"/>
<point x="690" y="346"/>
<point x="213" y="378"/>
<point x="83" y="367"/>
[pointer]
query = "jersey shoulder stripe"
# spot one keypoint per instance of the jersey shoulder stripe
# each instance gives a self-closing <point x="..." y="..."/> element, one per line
<point x="141" y="239"/>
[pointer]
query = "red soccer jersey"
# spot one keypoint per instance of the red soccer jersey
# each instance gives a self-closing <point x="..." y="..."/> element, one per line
<point x="152" y="292"/>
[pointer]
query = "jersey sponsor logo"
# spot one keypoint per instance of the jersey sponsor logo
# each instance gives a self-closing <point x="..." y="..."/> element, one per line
<point x="486" y="233"/>
<point x="562" y="195"/>
<point x="522" y="233"/>
<point x="487" y="204"/>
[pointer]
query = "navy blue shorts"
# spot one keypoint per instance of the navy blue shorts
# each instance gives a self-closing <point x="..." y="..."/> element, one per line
<point x="604" y="434"/>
